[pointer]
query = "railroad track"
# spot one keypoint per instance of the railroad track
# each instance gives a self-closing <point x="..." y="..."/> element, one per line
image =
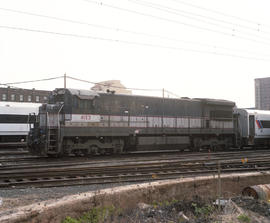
<point x="13" y="160"/>
<point x="18" y="154"/>
<point x="83" y="171"/>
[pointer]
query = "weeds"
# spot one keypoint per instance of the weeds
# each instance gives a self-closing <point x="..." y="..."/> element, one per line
<point x="95" y="215"/>
<point x="243" y="218"/>
<point x="206" y="210"/>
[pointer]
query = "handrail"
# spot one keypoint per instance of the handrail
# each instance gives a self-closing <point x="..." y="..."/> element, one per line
<point x="48" y="123"/>
<point x="48" y="129"/>
<point x="58" y="124"/>
<point x="58" y="115"/>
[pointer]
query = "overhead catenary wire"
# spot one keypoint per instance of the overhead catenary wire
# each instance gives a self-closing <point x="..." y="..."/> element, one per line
<point x="7" y="85"/>
<point x="128" y="31"/>
<point x="86" y="81"/>
<point x="176" y="21"/>
<point x="77" y="79"/>
<point x="126" y="88"/>
<point x="150" y="4"/>
<point x="81" y="80"/>
<point x="32" y="81"/>
<point x="190" y="15"/>
<point x="259" y="24"/>
<point x="131" y="42"/>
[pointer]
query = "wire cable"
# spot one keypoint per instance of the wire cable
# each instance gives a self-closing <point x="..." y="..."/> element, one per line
<point x="109" y="85"/>
<point x="118" y="87"/>
<point x="32" y="81"/>
<point x="175" y="21"/>
<point x="222" y="13"/>
<point x="127" y="31"/>
<point x="85" y="81"/>
<point x="186" y="14"/>
<point x="9" y="86"/>
<point x="131" y="42"/>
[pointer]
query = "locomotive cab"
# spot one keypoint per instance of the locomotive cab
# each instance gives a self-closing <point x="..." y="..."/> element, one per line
<point x="44" y="137"/>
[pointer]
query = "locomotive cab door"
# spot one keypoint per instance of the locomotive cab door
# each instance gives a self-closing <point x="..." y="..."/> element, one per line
<point x="251" y="129"/>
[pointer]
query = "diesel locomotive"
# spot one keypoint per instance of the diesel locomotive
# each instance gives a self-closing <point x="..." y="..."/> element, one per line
<point x="86" y="122"/>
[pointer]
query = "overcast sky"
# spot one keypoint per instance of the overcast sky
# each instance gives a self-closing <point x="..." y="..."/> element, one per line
<point x="209" y="48"/>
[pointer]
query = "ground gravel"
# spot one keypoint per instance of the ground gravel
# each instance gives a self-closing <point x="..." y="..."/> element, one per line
<point x="13" y="198"/>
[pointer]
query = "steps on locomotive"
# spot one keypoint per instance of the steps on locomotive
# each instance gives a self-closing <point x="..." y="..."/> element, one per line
<point x="52" y="139"/>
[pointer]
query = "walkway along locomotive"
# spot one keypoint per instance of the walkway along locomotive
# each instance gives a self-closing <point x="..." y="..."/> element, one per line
<point x="86" y="122"/>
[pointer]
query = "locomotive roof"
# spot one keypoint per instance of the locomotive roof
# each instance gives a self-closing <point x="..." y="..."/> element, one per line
<point x="211" y="101"/>
<point x="82" y="94"/>
<point x="89" y="94"/>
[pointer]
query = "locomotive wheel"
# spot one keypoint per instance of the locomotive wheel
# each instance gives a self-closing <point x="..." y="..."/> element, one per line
<point x="78" y="153"/>
<point x="117" y="150"/>
<point x="213" y="147"/>
<point x="86" y="152"/>
<point x="101" y="151"/>
<point x="94" y="150"/>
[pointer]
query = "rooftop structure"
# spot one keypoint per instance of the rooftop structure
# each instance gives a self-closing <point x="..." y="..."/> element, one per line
<point x="262" y="93"/>
<point x="114" y="86"/>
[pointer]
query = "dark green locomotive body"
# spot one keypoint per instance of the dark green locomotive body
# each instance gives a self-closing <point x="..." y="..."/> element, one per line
<point x="86" y="122"/>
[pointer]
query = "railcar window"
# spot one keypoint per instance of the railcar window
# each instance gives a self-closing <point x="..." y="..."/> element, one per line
<point x="265" y="124"/>
<point x="21" y="97"/>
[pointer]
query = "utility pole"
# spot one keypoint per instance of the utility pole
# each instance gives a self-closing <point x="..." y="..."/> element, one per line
<point x="163" y="107"/>
<point x="219" y="186"/>
<point x="163" y="93"/>
<point x="65" y="81"/>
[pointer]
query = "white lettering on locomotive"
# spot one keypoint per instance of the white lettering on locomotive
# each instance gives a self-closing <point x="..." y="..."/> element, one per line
<point x="85" y="118"/>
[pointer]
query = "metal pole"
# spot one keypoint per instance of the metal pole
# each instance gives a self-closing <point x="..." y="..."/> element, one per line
<point x="65" y="80"/>
<point x="163" y="92"/>
<point x="219" y="186"/>
<point x="162" y="122"/>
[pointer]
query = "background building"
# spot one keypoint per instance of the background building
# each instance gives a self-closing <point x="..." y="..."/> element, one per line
<point x="112" y="85"/>
<point x="262" y="93"/>
<point x="24" y="95"/>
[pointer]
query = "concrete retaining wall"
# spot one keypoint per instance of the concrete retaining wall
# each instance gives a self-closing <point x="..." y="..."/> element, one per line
<point x="127" y="197"/>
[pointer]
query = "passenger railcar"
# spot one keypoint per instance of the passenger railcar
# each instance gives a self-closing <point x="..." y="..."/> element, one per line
<point x="253" y="127"/>
<point x="15" y="120"/>
<point x="86" y="122"/>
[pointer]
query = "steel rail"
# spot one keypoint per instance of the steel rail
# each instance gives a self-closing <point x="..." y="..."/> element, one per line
<point x="134" y="171"/>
